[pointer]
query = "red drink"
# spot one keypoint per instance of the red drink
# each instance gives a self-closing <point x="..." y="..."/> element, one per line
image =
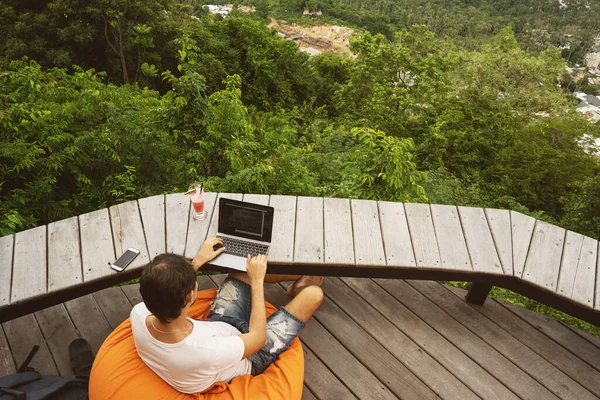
<point x="196" y="193"/>
<point x="198" y="206"/>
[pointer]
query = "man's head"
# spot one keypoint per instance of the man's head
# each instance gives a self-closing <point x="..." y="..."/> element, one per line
<point x="165" y="286"/>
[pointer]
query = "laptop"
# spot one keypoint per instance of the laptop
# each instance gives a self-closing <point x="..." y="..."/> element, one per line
<point x="245" y="228"/>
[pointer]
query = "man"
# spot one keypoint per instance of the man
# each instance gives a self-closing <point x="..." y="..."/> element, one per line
<point x="235" y="339"/>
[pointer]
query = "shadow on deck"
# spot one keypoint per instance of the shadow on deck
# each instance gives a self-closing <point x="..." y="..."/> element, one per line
<point x="371" y="339"/>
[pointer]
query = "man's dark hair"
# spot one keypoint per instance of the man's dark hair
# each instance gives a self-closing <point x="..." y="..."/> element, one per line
<point x="165" y="282"/>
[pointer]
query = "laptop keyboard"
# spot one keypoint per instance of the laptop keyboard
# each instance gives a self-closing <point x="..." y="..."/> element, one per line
<point x="243" y="247"/>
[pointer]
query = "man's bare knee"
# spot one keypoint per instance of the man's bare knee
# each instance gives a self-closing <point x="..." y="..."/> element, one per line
<point x="312" y="294"/>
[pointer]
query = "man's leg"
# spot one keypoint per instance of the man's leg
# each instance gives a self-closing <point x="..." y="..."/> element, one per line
<point x="305" y="302"/>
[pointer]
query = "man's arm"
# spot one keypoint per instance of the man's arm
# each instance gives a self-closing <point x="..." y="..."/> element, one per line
<point x="256" y="337"/>
<point x="207" y="252"/>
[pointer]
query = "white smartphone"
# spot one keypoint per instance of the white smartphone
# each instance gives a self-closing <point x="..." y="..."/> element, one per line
<point x="125" y="259"/>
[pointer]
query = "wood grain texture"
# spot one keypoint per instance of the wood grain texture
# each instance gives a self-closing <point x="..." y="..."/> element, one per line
<point x="97" y="247"/>
<point x="152" y="210"/>
<point x="89" y="320"/>
<point x="578" y="269"/>
<point x="450" y="238"/>
<point x="337" y="231"/>
<point x="307" y="394"/>
<point x="597" y="297"/>
<point x="348" y="369"/>
<point x="562" y="359"/>
<point x="418" y="362"/>
<point x="22" y="334"/>
<point x="6" y="267"/>
<point x="177" y="210"/>
<point x="29" y="265"/>
<point x="395" y="235"/>
<point x="522" y="232"/>
<point x="368" y="242"/>
<point x="321" y="381"/>
<point x="197" y="230"/>
<point x="474" y="347"/>
<point x="129" y="232"/>
<point x="64" y="257"/>
<point x="479" y="241"/>
<point x="214" y="221"/>
<point x="308" y="245"/>
<point x="133" y="293"/>
<point x="59" y="331"/>
<point x="114" y="305"/>
<point x="284" y="228"/>
<point x="7" y="364"/>
<point x="262" y="199"/>
<point x="501" y="340"/>
<point x="567" y="337"/>
<point x="544" y="257"/>
<point x="422" y="235"/>
<point x="474" y="376"/>
<point x="499" y="223"/>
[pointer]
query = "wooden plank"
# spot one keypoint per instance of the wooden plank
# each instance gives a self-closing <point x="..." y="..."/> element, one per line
<point x="359" y="378"/>
<point x="204" y="282"/>
<point x="499" y="222"/>
<point x="522" y="232"/>
<point x="368" y="242"/>
<point x="543" y="260"/>
<point x="306" y="394"/>
<point x="262" y="199"/>
<point x="321" y="381"/>
<point x="6" y="266"/>
<point x="281" y="250"/>
<point x="561" y="334"/>
<point x="597" y="297"/>
<point x="337" y="231"/>
<point x="64" y="257"/>
<point x="7" y="364"/>
<point x="595" y="340"/>
<point x="59" y="331"/>
<point x="308" y="244"/>
<point x="431" y="313"/>
<point x="89" y="320"/>
<point x="535" y="340"/>
<point x="133" y="293"/>
<point x="474" y="376"/>
<point x="502" y="341"/>
<point x="395" y="234"/>
<point x="114" y="305"/>
<point x="450" y="238"/>
<point x="218" y="279"/>
<point x="480" y="243"/>
<point x="128" y="232"/>
<point x="177" y="209"/>
<point x="152" y="210"/>
<point x="197" y="230"/>
<point x="97" y="248"/>
<point x="422" y="235"/>
<point x="418" y="359"/>
<point x="578" y="269"/>
<point x="29" y="264"/>
<point x="22" y="334"/>
<point x="214" y="221"/>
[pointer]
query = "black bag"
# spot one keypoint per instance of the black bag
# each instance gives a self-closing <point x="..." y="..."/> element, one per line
<point x="27" y="384"/>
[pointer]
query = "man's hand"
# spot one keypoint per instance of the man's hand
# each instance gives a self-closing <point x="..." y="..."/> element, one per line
<point x="207" y="252"/>
<point x="256" y="267"/>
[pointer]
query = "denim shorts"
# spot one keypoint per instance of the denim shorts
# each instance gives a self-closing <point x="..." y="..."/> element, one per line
<point x="233" y="305"/>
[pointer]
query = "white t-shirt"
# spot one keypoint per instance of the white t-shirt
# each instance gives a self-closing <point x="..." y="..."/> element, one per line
<point x="211" y="353"/>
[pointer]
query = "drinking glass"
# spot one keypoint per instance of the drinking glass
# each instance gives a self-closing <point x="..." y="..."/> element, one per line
<point x="196" y="193"/>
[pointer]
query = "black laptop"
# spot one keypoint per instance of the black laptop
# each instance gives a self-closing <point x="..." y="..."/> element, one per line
<point x="245" y="228"/>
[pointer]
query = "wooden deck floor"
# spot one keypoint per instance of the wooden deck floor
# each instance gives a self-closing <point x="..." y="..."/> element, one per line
<point x="371" y="339"/>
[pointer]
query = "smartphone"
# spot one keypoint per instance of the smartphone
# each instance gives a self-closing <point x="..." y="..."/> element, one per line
<point x="125" y="259"/>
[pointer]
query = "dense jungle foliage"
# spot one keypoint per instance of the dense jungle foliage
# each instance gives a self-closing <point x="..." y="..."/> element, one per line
<point x="447" y="101"/>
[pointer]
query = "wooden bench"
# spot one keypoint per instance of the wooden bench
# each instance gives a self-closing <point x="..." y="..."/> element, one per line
<point x="50" y="264"/>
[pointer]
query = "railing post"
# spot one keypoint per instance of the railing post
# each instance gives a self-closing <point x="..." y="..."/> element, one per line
<point x="478" y="293"/>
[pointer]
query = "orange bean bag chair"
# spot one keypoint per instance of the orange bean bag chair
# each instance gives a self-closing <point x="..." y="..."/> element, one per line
<point x="119" y="373"/>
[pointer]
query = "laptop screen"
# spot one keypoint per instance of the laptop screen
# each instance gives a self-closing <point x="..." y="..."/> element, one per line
<point x="247" y="220"/>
